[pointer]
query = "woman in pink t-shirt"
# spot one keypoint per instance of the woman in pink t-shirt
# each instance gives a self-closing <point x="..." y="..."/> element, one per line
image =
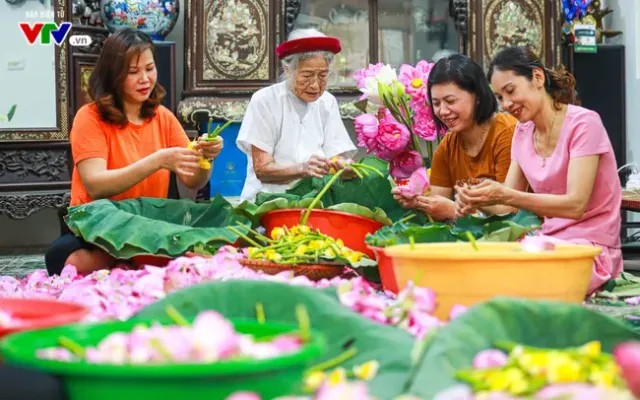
<point x="562" y="164"/>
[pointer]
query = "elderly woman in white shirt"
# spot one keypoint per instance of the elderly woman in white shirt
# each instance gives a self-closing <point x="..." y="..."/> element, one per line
<point x="293" y="129"/>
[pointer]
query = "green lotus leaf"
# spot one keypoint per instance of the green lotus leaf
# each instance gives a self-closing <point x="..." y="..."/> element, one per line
<point x="163" y="227"/>
<point x="343" y="328"/>
<point x="544" y="324"/>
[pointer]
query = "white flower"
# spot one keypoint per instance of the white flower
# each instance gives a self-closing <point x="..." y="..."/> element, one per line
<point x="386" y="76"/>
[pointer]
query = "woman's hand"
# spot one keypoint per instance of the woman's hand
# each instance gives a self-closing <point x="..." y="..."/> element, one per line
<point x="316" y="167"/>
<point x="337" y="163"/>
<point x="470" y="199"/>
<point x="438" y="207"/>
<point x="210" y="149"/>
<point x="405" y="198"/>
<point x="180" y="160"/>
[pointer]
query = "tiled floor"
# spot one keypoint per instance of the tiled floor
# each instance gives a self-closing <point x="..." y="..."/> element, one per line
<point x="20" y="264"/>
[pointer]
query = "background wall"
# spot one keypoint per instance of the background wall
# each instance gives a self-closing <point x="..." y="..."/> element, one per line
<point x="26" y="71"/>
<point x="626" y="18"/>
<point x="177" y="36"/>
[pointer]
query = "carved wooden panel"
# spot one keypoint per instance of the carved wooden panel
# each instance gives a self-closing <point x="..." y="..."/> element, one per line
<point x="34" y="166"/>
<point x="22" y="205"/>
<point x="496" y="24"/>
<point x="230" y="45"/>
<point x="236" y="40"/>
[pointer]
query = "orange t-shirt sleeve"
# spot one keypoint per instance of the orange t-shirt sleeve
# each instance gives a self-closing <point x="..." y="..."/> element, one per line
<point x="176" y="134"/>
<point x="440" y="175"/>
<point x="88" y="138"/>
<point x="505" y="130"/>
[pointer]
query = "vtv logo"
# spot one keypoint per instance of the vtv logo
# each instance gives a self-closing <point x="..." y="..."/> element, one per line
<point x="45" y="31"/>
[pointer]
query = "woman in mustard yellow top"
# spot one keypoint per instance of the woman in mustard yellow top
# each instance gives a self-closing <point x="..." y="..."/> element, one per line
<point x="478" y="142"/>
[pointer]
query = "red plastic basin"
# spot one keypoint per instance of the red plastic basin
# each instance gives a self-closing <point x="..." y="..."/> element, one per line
<point x="39" y="313"/>
<point x="385" y="267"/>
<point x="352" y="229"/>
<point x="147" y="259"/>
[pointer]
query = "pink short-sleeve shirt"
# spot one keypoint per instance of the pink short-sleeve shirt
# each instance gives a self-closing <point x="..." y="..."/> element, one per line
<point x="582" y="134"/>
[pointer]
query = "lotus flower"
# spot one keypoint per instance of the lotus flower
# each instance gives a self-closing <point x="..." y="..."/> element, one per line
<point x="392" y="139"/>
<point x="366" y="126"/>
<point x="370" y="88"/>
<point x="627" y="356"/>
<point x="405" y="163"/>
<point x="371" y="71"/>
<point x="424" y="124"/>
<point x="456" y="311"/>
<point x="244" y="396"/>
<point x="344" y="391"/>
<point x="417" y="184"/>
<point x="490" y="358"/>
<point x="415" y="80"/>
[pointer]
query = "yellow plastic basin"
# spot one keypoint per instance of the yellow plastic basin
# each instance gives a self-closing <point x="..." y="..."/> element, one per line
<point x="459" y="274"/>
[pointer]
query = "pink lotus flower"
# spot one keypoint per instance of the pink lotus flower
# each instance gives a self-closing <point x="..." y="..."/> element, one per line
<point x="490" y="358"/>
<point x="371" y="71"/>
<point x="627" y="356"/>
<point x="424" y="124"/>
<point x="366" y="126"/>
<point x="393" y="137"/>
<point x="244" y="396"/>
<point x="415" y="80"/>
<point x="419" y="182"/>
<point x="403" y="165"/>
<point x="344" y="391"/>
<point x="457" y="311"/>
<point x="581" y="391"/>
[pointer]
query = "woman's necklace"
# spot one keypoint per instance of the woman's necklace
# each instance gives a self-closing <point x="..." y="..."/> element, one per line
<point x="546" y="144"/>
<point x="483" y="136"/>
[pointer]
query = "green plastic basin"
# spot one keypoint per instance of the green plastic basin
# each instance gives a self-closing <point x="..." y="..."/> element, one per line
<point x="83" y="381"/>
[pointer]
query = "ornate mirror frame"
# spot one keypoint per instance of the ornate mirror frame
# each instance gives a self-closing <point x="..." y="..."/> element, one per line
<point x="61" y="130"/>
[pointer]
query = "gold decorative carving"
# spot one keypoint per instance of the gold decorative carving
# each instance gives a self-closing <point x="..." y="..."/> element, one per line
<point x="234" y="110"/>
<point x="236" y="40"/>
<point x="512" y="23"/>
<point x="61" y="132"/>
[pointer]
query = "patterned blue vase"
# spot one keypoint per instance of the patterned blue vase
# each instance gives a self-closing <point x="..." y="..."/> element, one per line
<point x="153" y="17"/>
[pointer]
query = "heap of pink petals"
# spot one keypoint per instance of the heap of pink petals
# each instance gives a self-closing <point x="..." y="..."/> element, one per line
<point x="120" y="293"/>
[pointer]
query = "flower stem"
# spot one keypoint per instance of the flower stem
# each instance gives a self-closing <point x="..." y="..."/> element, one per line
<point x="73" y="346"/>
<point x="304" y="322"/>
<point x="260" y="314"/>
<point x="334" y="362"/>
<point x="368" y="167"/>
<point x="472" y="240"/>
<point x="245" y="237"/>
<point x="176" y="317"/>
<point x="316" y="200"/>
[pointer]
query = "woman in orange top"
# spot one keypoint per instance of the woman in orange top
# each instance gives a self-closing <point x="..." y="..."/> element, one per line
<point x="124" y="143"/>
<point x="478" y="144"/>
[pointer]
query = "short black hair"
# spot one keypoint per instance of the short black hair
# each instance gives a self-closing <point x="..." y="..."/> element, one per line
<point x="468" y="76"/>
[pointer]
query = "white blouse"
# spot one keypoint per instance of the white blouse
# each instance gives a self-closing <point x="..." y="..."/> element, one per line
<point x="291" y="130"/>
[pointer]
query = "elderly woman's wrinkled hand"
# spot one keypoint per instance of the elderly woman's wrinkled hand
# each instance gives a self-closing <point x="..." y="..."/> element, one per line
<point x="316" y="167"/>
<point x="337" y="163"/>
